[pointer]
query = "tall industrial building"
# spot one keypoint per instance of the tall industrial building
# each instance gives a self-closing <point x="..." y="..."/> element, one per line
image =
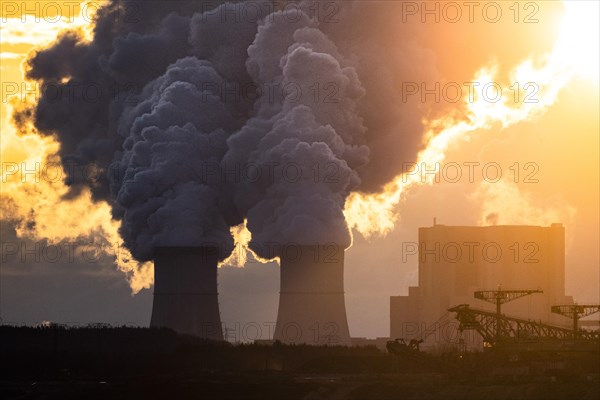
<point x="312" y="308"/>
<point x="185" y="291"/>
<point x="456" y="261"/>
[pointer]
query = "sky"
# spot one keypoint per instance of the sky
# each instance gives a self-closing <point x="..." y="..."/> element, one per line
<point x="546" y="152"/>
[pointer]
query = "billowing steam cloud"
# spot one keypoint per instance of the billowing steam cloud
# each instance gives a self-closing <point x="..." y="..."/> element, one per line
<point x="208" y="115"/>
<point x="311" y="138"/>
<point x="164" y="196"/>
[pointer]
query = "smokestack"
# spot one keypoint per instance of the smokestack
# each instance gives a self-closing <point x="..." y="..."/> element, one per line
<point x="311" y="302"/>
<point x="185" y="291"/>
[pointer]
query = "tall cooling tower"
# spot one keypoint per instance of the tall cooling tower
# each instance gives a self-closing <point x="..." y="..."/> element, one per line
<point x="311" y="301"/>
<point x="185" y="291"/>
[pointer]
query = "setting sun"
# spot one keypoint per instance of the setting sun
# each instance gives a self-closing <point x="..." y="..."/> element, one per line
<point x="579" y="41"/>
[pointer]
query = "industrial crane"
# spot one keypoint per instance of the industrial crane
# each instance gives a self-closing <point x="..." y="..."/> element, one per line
<point x="495" y="327"/>
<point x="575" y="311"/>
<point x="500" y="297"/>
<point x="488" y="324"/>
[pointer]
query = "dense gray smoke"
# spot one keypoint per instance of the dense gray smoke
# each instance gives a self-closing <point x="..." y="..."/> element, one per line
<point x="212" y="112"/>
<point x="310" y="134"/>
<point x="165" y="197"/>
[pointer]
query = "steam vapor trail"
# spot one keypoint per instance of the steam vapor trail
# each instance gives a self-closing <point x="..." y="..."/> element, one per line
<point x="193" y="90"/>
<point x="165" y="116"/>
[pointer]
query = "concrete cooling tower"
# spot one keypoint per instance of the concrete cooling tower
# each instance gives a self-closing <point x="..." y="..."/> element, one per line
<point x="311" y="302"/>
<point x="185" y="291"/>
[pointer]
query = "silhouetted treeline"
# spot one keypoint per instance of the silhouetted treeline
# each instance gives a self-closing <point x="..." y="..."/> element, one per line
<point x="127" y="351"/>
<point x="126" y="363"/>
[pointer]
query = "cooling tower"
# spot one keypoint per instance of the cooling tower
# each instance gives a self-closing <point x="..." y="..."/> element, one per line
<point x="185" y="291"/>
<point x="311" y="302"/>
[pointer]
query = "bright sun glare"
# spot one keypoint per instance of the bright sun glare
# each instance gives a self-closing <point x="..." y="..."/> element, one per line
<point x="574" y="54"/>
<point x="579" y="37"/>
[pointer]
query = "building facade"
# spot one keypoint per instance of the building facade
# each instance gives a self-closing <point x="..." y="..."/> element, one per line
<point x="456" y="261"/>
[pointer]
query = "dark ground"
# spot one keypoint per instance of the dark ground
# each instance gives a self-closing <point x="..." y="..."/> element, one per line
<point x="130" y="363"/>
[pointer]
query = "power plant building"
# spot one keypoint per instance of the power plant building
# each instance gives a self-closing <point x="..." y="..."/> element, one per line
<point x="456" y="261"/>
<point x="185" y="291"/>
<point x="311" y="310"/>
<point x="312" y="307"/>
